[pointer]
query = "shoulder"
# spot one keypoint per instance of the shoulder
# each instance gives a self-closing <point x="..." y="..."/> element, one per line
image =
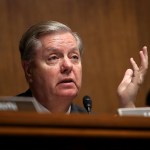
<point x="77" y="109"/>
<point x="27" y="93"/>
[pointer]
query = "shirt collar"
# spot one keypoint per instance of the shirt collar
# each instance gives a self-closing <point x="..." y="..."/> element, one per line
<point x="41" y="109"/>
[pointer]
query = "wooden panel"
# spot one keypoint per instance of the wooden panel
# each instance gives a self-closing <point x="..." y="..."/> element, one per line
<point x="22" y="123"/>
<point x="73" y="131"/>
<point x="112" y="32"/>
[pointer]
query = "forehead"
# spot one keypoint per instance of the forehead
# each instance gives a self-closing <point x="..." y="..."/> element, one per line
<point x="58" y="39"/>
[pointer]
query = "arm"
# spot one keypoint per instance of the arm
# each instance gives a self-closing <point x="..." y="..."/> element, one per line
<point x="133" y="78"/>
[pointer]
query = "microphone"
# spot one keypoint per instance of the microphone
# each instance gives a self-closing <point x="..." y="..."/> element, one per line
<point x="87" y="102"/>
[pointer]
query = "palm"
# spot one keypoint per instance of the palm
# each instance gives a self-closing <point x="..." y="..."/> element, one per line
<point x="133" y="78"/>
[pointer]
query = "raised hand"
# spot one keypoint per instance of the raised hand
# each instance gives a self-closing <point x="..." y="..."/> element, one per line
<point x="133" y="78"/>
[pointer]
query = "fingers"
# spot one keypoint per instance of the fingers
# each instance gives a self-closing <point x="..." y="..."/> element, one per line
<point x="144" y="58"/>
<point x="127" y="76"/>
<point x="144" y="50"/>
<point x="134" y="65"/>
<point x="140" y="71"/>
<point x="125" y="81"/>
<point x="144" y="61"/>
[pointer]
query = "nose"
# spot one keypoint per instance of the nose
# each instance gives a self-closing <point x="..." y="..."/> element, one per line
<point x="66" y="66"/>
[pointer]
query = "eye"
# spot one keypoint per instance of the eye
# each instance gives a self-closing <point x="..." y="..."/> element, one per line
<point x="53" y="59"/>
<point x="75" y="57"/>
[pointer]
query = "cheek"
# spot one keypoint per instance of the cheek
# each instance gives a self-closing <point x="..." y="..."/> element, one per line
<point x="79" y="75"/>
<point x="46" y="74"/>
<point x="50" y="75"/>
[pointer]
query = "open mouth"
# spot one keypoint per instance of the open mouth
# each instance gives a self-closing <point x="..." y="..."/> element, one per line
<point x="66" y="81"/>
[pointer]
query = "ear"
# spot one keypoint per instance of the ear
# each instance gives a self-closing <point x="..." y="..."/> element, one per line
<point x="27" y="70"/>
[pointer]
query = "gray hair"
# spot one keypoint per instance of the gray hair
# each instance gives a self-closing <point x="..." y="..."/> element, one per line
<point x="30" y="39"/>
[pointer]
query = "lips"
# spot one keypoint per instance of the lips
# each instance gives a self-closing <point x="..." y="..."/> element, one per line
<point x="67" y="83"/>
<point x="68" y="80"/>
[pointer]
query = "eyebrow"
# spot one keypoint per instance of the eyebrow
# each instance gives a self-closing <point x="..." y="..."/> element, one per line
<point x="55" y="49"/>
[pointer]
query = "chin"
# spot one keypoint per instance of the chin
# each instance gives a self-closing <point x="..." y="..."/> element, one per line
<point x="68" y="94"/>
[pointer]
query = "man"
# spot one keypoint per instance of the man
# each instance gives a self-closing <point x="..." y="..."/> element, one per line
<point x="51" y="59"/>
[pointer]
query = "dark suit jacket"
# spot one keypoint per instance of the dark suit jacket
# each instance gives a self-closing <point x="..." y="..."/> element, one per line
<point x="74" y="108"/>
